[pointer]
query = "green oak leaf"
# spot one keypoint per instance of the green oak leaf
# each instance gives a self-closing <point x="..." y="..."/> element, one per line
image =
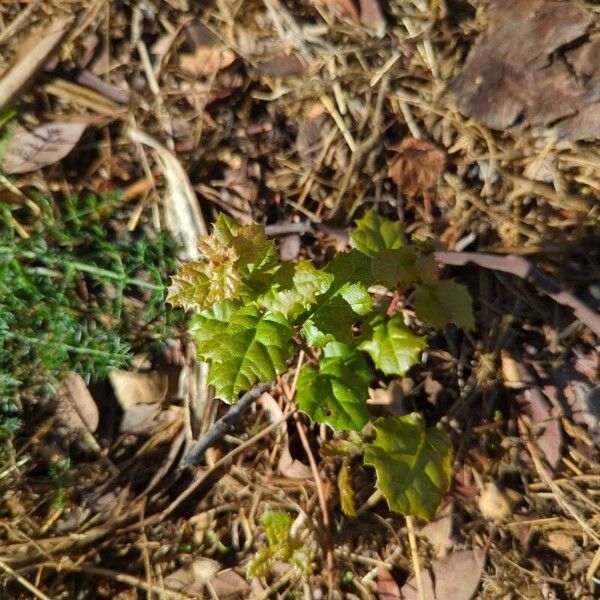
<point x="353" y="266"/>
<point x="336" y="393"/>
<point x="253" y="348"/>
<point x="334" y="318"/>
<point x="392" y="346"/>
<point x="395" y="268"/>
<point x="211" y="322"/>
<point x="413" y="464"/>
<point x="439" y="303"/>
<point x="374" y="233"/>
<point x="295" y="288"/>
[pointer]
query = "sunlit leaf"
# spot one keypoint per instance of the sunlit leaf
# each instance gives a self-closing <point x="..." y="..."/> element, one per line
<point x="253" y="348"/>
<point x="413" y="464"/>
<point x="211" y="322"/>
<point x="392" y="346"/>
<point x="281" y="546"/>
<point x="353" y="266"/>
<point x="238" y="261"/>
<point x="374" y="233"/>
<point x="439" y="303"/>
<point x="295" y="288"/>
<point x="336" y="393"/>
<point x="199" y="285"/>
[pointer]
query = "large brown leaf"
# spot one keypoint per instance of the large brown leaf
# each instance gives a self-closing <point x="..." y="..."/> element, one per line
<point x="45" y="145"/>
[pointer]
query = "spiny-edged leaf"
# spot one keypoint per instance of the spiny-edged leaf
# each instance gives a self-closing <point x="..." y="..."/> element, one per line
<point x="336" y="393"/>
<point x="413" y="464"/>
<point x="345" y="490"/>
<point x="199" y="285"/>
<point x="281" y="546"/>
<point x="441" y="302"/>
<point x="211" y="322"/>
<point x="237" y="261"/>
<point x="334" y="318"/>
<point x="427" y="268"/>
<point x="253" y="348"/>
<point x="295" y="288"/>
<point x="392" y="346"/>
<point x="374" y="233"/>
<point x="255" y="253"/>
<point x="353" y="266"/>
<point x="394" y="268"/>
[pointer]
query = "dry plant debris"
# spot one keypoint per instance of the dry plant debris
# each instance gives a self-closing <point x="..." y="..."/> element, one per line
<point x="466" y="120"/>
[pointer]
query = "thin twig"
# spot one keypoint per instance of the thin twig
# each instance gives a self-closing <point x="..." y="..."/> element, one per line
<point x="517" y="265"/>
<point x="28" y="586"/>
<point x="224" y="425"/>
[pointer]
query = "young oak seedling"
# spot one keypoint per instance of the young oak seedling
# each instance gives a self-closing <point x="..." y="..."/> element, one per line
<point x="253" y="312"/>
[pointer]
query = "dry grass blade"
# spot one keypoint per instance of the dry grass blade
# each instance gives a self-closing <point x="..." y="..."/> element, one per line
<point x="40" y="47"/>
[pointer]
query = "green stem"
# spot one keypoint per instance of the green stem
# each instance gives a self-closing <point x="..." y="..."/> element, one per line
<point x="93" y="270"/>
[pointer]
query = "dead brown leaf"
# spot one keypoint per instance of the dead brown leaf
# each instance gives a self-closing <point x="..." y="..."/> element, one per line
<point x="204" y="54"/>
<point x="282" y="66"/>
<point x="138" y="388"/>
<point x="228" y="584"/>
<point x="347" y="5"/>
<point x="387" y="588"/>
<point x="77" y="412"/>
<point x="518" y="70"/>
<point x="372" y="17"/>
<point x="455" y="577"/>
<point x="45" y="145"/>
<point x="417" y="166"/>
<point x="441" y="532"/>
<point x="391" y="398"/>
<point x="143" y="419"/>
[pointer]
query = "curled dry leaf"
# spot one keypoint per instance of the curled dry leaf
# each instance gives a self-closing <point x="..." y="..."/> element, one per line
<point x="455" y="577"/>
<point x="417" y="166"/>
<point x="45" y="145"/>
